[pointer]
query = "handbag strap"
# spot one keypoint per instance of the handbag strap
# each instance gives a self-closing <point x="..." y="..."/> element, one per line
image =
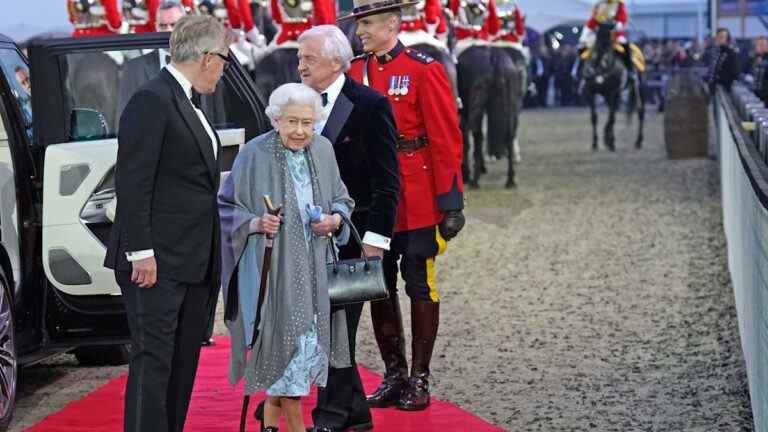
<point x="355" y="235"/>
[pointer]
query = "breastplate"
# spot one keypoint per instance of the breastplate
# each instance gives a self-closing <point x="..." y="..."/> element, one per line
<point x="135" y="12"/>
<point x="86" y="13"/>
<point x="215" y="8"/>
<point x="472" y="13"/>
<point x="413" y="12"/>
<point x="606" y="12"/>
<point x="296" y="11"/>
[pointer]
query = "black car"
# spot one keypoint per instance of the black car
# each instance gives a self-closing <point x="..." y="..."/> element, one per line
<point x="59" y="113"/>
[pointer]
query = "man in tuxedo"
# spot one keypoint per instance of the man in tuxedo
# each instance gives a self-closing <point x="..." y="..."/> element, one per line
<point x="361" y="126"/>
<point x="164" y="246"/>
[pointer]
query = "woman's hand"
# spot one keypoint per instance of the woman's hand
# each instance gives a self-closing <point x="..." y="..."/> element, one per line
<point x="327" y="225"/>
<point x="266" y="224"/>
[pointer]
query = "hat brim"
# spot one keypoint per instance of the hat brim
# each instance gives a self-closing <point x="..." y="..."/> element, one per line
<point x="376" y="11"/>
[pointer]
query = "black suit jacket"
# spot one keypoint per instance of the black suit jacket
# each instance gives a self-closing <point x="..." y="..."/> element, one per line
<point x="361" y="127"/>
<point x="166" y="180"/>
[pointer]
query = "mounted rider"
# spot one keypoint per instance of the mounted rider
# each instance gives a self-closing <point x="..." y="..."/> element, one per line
<point x="423" y="22"/>
<point x="140" y="15"/>
<point x="95" y="18"/>
<point x="474" y="22"/>
<point x="294" y="17"/>
<point x="604" y="12"/>
<point x="512" y="27"/>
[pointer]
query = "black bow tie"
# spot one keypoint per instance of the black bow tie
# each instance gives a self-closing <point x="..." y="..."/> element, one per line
<point x="324" y="96"/>
<point x="167" y="59"/>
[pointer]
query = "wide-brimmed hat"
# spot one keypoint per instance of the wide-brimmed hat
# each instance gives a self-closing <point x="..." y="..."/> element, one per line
<point x="363" y="8"/>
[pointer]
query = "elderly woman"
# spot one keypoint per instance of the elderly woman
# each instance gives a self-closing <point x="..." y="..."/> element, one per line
<point x="297" y="169"/>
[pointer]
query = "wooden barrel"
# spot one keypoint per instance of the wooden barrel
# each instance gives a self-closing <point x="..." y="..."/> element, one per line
<point x="686" y="119"/>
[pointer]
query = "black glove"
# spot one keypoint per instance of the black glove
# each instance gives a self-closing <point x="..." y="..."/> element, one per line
<point x="452" y="223"/>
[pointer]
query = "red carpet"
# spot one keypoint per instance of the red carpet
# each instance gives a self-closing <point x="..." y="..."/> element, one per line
<point x="216" y="406"/>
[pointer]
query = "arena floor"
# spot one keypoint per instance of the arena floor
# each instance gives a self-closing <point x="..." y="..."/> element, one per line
<point x="595" y="296"/>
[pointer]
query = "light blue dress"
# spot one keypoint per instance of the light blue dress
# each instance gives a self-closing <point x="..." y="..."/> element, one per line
<point x="309" y="362"/>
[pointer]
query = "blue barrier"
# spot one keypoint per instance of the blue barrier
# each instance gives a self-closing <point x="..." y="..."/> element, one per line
<point x="744" y="175"/>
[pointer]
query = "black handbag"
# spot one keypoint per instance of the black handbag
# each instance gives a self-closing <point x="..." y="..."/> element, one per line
<point x="355" y="280"/>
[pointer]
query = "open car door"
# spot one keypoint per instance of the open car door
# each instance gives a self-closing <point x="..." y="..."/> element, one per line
<point x="80" y="87"/>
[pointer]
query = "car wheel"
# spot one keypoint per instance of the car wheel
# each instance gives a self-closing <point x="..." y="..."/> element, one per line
<point x="102" y="355"/>
<point x="8" y="361"/>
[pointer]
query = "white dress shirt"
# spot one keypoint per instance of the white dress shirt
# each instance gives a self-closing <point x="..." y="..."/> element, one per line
<point x="187" y="87"/>
<point x="332" y="93"/>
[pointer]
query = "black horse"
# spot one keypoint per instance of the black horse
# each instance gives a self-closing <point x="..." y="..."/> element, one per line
<point x="476" y="83"/>
<point x="605" y="74"/>
<point x="506" y="103"/>
<point x="279" y="66"/>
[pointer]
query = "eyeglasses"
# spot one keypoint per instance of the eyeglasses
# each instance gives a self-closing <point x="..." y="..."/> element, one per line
<point x="225" y="57"/>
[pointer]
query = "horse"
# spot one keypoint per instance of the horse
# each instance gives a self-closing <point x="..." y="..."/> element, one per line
<point x="279" y="66"/>
<point x="475" y="83"/>
<point x="605" y="74"/>
<point x="508" y="90"/>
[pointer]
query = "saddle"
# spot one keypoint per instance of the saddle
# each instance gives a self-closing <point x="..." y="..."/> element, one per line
<point x="638" y="59"/>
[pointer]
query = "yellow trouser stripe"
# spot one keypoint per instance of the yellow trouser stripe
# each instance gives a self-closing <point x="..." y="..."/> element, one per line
<point x="442" y="245"/>
<point x="433" y="295"/>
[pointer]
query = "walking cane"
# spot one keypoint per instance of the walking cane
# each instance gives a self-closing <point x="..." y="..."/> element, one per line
<point x="265" y="265"/>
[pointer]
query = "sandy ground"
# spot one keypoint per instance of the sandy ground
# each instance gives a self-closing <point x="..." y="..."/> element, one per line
<point x="596" y="296"/>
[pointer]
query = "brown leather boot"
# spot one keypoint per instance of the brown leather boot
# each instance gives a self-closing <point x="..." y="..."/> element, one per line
<point x="388" y="327"/>
<point x="425" y="318"/>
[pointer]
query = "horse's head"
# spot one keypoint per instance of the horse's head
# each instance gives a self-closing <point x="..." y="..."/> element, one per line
<point x="604" y="37"/>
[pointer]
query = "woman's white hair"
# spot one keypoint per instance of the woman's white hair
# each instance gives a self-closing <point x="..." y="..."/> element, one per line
<point x="293" y="94"/>
<point x="195" y="35"/>
<point x="335" y="44"/>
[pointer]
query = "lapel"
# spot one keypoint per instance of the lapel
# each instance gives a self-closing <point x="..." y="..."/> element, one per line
<point x="184" y="105"/>
<point x="340" y="112"/>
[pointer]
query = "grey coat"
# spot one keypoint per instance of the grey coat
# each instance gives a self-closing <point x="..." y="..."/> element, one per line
<point x="297" y="290"/>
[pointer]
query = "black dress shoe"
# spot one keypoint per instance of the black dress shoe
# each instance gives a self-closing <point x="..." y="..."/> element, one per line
<point x="359" y="427"/>
<point x="207" y="343"/>
<point x="388" y="393"/>
<point x="416" y="396"/>
<point x="319" y="429"/>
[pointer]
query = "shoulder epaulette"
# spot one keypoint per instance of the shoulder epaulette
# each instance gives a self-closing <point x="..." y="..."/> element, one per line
<point x="418" y="55"/>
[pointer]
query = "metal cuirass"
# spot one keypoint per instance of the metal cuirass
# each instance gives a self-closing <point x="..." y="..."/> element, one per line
<point x="215" y="8"/>
<point x="296" y="11"/>
<point x="85" y="14"/>
<point x="135" y="12"/>
<point x="472" y="13"/>
<point x="605" y="12"/>
<point x="413" y="12"/>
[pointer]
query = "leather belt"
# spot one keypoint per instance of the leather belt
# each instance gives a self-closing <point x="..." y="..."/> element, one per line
<point x="410" y="145"/>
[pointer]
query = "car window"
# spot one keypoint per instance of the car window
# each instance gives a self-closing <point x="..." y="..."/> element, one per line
<point x="100" y="84"/>
<point x="16" y="73"/>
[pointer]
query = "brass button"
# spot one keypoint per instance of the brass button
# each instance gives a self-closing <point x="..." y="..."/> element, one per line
<point x="381" y="68"/>
<point x="397" y="99"/>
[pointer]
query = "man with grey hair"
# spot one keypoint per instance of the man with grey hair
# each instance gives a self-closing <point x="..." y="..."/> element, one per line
<point x="361" y="126"/>
<point x="165" y="243"/>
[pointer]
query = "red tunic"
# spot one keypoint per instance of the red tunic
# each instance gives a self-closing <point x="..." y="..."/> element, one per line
<point x="324" y="12"/>
<point x="620" y="16"/>
<point x="486" y="32"/>
<point x="432" y="16"/>
<point x="430" y="177"/>
<point x="515" y="35"/>
<point x="90" y="25"/>
<point x="246" y="16"/>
